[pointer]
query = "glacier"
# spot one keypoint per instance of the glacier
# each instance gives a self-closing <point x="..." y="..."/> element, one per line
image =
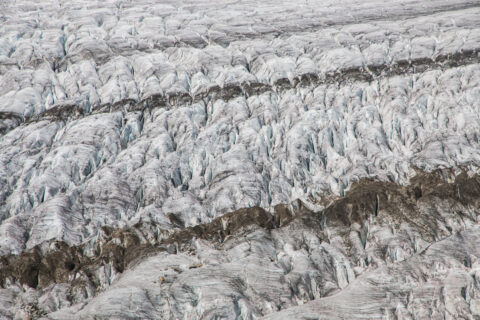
<point x="239" y="159"/>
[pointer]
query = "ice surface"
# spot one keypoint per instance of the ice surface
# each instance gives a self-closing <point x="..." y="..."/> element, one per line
<point x="179" y="112"/>
<point x="207" y="158"/>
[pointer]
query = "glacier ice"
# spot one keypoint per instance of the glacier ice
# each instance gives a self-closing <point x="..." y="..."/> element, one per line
<point x="179" y="113"/>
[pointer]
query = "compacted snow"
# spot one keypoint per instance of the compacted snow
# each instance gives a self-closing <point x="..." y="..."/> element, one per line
<point x="174" y="114"/>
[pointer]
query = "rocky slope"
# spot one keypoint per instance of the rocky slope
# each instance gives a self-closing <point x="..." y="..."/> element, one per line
<point x="221" y="159"/>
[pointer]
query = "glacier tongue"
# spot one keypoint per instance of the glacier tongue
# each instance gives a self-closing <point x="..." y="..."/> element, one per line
<point x="179" y="114"/>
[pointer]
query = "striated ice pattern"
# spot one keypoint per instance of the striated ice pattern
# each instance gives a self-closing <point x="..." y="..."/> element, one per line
<point x="114" y="114"/>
